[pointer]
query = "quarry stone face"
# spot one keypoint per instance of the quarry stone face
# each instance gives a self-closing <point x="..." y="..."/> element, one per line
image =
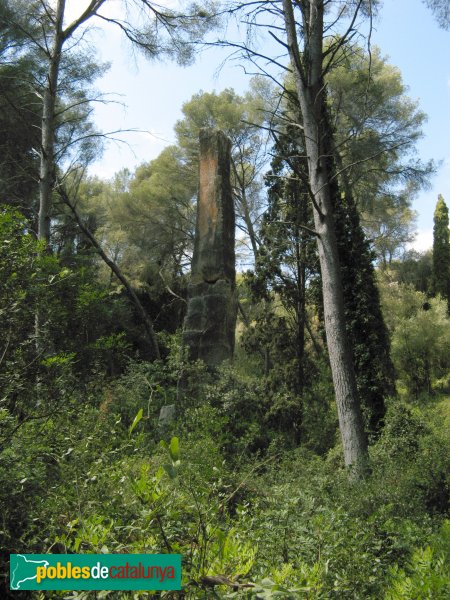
<point x="210" y="321"/>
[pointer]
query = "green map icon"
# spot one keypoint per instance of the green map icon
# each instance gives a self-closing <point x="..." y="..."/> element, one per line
<point x="23" y="569"/>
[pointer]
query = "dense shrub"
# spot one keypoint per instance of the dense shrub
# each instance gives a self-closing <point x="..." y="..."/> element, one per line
<point x="420" y="333"/>
<point x="247" y="482"/>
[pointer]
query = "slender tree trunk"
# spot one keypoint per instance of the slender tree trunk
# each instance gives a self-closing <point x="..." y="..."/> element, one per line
<point x="300" y="309"/>
<point x="242" y="198"/>
<point x="47" y="155"/>
<point x="248" y="222"/>
<point x="50" y="96"/>
<point x="47" y="158"/>
<point x="307" y="69"/>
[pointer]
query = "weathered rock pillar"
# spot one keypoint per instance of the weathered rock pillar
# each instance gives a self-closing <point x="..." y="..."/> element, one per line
<point x="210" y="322"/>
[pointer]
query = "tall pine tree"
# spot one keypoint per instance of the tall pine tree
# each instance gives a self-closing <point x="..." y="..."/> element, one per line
<point x="364" y="320"/>
<point x="288" y="221"/>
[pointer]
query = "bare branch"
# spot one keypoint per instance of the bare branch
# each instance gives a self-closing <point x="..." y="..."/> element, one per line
<point x="89" y="12"/>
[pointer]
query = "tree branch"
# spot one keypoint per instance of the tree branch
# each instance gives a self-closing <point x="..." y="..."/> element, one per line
<point x="91" y="10"/>
<point x="115" y="269"/>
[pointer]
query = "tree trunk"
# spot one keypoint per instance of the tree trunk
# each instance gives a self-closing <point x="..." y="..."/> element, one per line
<point x="248" y="223"/>
<point x="242" y="199"/>
<point x="301" y="314"/>
<point x="47" y="159"/>
<point x="307" y="70"/>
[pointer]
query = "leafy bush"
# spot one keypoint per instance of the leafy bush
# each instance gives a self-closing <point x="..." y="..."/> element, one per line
<point x="420" y="334"/>
<point x="427" y="574"/>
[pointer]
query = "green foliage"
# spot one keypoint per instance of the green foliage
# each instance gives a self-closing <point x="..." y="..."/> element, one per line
<point x="79" y="317"/>
<point x="284" y="523"/>
<point x="240" y="118"/>
<point x="322" y="537"/>
<point x="286" y="272"/>
<point x="20" y="68"/>
<point x="146" y="221"/>
<point x="420" y="445"/>
<point x="21" y="285"/>
<point x="376" y="119"/>
<point x="441" y="12"/>
<point x="19" y="119"/>
<point x="287" y="265"/>
<point x="420" y="338"/>
<point x="227" y="111"/>
<point x="441" y="252"/>
<point x="427" y="573"/>
<point x="247" y="481"/>
<point x="364" y="319"/>
<point x="414" y="269"/>
<point x="136" y="420"/>
<point x="242" y="405"/>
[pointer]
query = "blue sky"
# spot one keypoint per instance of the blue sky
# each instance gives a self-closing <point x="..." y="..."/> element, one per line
<point x="409" y="35"/>
<point x="153" y="93"/>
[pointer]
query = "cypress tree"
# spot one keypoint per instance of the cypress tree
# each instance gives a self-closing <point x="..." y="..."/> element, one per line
<point x="365" y="325"/>
<point x="286" y="272"/>
<point x="364" y="320"/>
<point x="287" y="262"/>
<point x="441" y="251"/>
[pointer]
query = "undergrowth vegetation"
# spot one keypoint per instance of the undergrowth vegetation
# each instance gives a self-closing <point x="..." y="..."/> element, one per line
<point x="252" y="516"/>
<point x="246" y="479"/>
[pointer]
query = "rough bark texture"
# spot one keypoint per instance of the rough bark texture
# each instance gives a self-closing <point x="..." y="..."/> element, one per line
<point x="50" y="96"/>
<point x="47" y="159"/>
<point x="308" y="77"/>
<point x="211" y="315"/>
<point x="241" y="197"/>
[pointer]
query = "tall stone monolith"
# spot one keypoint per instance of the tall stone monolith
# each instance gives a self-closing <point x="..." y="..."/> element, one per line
<point x="210" y="322"/>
